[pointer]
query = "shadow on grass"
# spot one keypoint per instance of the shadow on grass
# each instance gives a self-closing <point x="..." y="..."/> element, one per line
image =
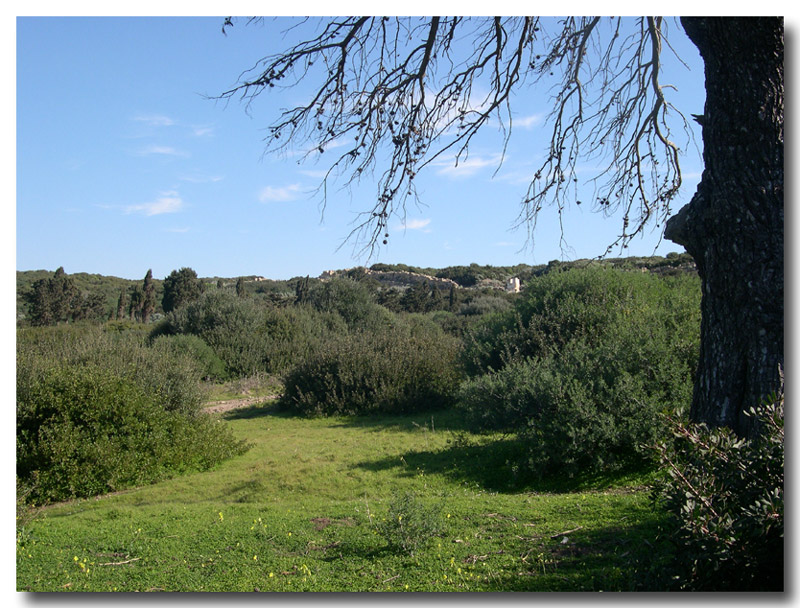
<point x="443" y="420"/>
<point x="491" y="466"/>
<point x="614" y="558"/>
<point x="434" y="421"/>
<point x="259" y="410"/>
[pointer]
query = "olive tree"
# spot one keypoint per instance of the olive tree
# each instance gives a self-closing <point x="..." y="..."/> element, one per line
<point x="400" y="93"/>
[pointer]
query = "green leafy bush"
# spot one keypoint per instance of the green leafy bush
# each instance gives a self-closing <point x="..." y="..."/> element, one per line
<point x="409" y="524"/>
<point x="352" y="300"/>
<point x="586" y="305"/>
<point x="406" y="368"/>
<point x="725" y="499"/>
<point x="583" y="367"/>
<point x="249" y="335"/>
<point x="210" y="365"/>
<point x="171" y="377"/>
<point x="83" y="431"/>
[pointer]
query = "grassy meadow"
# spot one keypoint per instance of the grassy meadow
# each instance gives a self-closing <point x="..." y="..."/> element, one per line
<point x="305" y="509"/>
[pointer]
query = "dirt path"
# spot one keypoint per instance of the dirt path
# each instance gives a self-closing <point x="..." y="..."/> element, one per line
<point x="216" y="407"/>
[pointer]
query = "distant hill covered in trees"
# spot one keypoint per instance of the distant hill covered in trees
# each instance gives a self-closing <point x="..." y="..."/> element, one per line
<point x="48" y="297"/>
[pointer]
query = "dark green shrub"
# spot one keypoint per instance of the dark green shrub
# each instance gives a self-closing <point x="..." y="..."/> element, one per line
<point x="483" y="305"/>
<point x="725" y="499"/>
<point x="169" y="376"/>
<point x="252" y="337"/>
<point x="352" y="300"/>
<point x="83" y="431"/>
<point x="584" y="366"/>
<point x="398" y="370"/>
<point x="229" y="325"/>
<point x="585" y="305"/>
<point x="210" y="365"/>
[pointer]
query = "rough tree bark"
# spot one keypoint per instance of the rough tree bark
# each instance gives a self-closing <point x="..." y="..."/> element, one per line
<point x="733" y="226"/>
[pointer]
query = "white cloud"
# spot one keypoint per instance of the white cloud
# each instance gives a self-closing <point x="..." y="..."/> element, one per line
<point x="415" y="225"/>
<point x="202" y="131"/>
<point x="155" y="120"/>
<point x="163" y="150"/>
<point x="202" y="179"/>
<point x="468" y="167"/>
<point x="271" y="194"/>
<point x="168" y="202"/>
<point x="527" y="122"/>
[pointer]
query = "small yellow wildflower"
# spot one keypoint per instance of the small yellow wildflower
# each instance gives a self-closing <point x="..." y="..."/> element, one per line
<point x="255" y="558"/>
<point x="271" y="574"/>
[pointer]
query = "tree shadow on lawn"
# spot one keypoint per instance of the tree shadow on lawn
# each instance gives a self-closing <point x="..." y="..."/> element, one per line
<point x="258" y="410"/>
<point x="431" y="420"/>
<point x="491" y="466"/>
<point x="442" y="420"/>
<point x="614" y="558"/>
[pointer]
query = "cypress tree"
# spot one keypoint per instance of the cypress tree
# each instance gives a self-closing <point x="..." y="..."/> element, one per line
<point x="149" y="297"/>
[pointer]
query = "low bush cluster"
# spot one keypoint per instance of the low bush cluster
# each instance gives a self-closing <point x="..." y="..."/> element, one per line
<point x="100" y="411"/>
<point x="399" y="370"/>
<point x="583" y="366"/>
<point x="409" y="524"/>
<point x="251" y="336"/>
<point x="725" y="499"/>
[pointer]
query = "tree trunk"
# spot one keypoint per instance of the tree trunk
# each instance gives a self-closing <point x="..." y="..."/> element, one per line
<point x="733" y="226"/>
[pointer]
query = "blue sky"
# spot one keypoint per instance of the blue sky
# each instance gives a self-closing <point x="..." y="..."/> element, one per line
<point x="123" y="165"/>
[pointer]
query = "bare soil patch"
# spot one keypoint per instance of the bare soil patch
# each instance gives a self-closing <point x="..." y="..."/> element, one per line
<point x="216" y="407"/>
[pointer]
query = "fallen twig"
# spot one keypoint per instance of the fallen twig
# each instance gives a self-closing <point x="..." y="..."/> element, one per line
<point x="566" y="532"/>
<point x="127" y="561"/>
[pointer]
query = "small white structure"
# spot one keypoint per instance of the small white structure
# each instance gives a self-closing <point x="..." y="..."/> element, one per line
<point x="512" y="285"/>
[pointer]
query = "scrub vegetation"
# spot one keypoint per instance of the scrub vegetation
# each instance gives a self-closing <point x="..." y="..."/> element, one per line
<point x="472" y="441"/>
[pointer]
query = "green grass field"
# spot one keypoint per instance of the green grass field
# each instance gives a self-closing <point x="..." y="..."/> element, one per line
<point x="304" y="508"/>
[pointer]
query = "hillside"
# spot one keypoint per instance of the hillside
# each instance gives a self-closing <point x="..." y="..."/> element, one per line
<point x="380" y="276"/>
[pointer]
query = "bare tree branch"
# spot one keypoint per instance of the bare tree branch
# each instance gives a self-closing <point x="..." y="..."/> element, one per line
<point x="399" y="94"/>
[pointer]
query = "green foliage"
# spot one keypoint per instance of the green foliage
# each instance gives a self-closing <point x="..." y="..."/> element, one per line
<point x="99" y="410"/>
<point x="149" y="297"/>
<point x="588" y="305"/>
<point x="725" y="498"/>
<point x="101" y="294"/>
<point x="407" y="368"/>
<point x="484" y="305"/>
<point x="180" y="288"/>
<point x="210" y="365"/>
<point x="409" y="524"/>
<point x="169" y="377"/>
<point x="583" y="365"/>
<point x="252" y="336"/>
<point x="83" y="431"/>
<point x="57" y="299"/>
<point x="350" y="299"/>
